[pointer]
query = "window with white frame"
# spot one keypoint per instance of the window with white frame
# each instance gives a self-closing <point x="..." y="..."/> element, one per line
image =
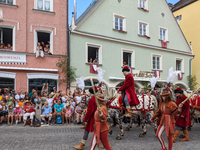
<point x="10" y="2"/>
<point x="143" y="4"/>
<point x="179" y="64"/>
<point x="156" y="62"/>
<point x="46" y="5"/>
<point x="93" y="53"/>
<point x="163" y="34"/>
<point x="128" y="57"/>
<point x="119" y="22"/>
<point x="6" y="38"/>
<point x="45" y="39"/>
<point x="143" y="29"/>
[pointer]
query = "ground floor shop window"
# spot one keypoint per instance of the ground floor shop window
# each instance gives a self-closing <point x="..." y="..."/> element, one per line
<point x="37" y="84"/>
<point x="7" y="83"/>
<point x="6" y="38"/>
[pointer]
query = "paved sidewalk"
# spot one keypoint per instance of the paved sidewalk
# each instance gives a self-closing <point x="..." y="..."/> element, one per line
<point x="65" y="137"/>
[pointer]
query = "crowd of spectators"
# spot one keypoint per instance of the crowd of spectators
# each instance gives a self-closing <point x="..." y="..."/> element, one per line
<point x="6" y="46"/>
<point x="21" y="106"/>
<point x="43" y="49"/>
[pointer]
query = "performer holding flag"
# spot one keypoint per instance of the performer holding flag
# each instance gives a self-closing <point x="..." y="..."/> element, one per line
<point x="129" y="97"/>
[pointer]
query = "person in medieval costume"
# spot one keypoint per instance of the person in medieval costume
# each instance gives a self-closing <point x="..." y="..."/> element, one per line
<point x="89" y="120"/>
<point x="183" y="118"/>
<point x="129" y="97"/>
<point x="167" y="122"/>
<point x="101" y="125"/>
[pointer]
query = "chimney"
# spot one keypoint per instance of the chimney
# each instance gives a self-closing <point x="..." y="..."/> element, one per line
<point x="73" y="26"/>
<point x="75" y="10"/>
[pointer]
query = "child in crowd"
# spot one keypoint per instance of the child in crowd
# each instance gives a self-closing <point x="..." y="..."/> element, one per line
<point x="79" y="113"/>
<point x="17" y="112"/>
<point x="21" y="103"/>
<point x="21" y="114"/>
<point x="68" y="113"/>
<point x="72" y="105"/>
<point x="10" y="114"/>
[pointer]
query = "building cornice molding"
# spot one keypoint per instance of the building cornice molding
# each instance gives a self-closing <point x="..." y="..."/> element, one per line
<point x="130" y="42"/>
<point x="30" y="69"/>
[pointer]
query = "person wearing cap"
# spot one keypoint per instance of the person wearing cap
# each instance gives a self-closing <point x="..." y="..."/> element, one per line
<point x="68" y="113"/>
<point x="129" y="97"/>
<point x="46" y="113"/>
<point x="30" y="111"/>
<point x="183" y="118"/>
<point x="17" y="112"/>
<point x="167" y="122"/>
<point x="89" y="120"/>
<point x="101" y="125"/>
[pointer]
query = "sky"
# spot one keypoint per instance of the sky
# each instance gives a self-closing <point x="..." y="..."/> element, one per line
<point x="83" y="4"/>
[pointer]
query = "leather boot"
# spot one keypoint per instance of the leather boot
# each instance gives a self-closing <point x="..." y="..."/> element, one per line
<point x="175" y="135"/>
<point x="128" y="108"/>
<point x="81" y="146"/>
<point x="185" y="132"/>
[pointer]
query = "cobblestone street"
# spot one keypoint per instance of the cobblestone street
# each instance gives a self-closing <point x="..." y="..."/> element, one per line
<point x="65" y="137"/>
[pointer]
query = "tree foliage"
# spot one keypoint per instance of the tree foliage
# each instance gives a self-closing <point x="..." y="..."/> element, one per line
<point x="66" y="69"/>
<point x="192" y="82"/>
<point x="146" y="86"/>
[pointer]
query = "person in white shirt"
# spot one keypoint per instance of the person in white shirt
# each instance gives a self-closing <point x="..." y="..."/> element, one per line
<point x="17" y="97"/>
<point x="50" y="100"/>
<point x="65" y="99"/>
<point x="22" y="95"/>
<point x="78" y="98"/>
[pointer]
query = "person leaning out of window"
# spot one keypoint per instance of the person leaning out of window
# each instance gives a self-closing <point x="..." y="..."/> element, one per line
<point x="39" y="50"/>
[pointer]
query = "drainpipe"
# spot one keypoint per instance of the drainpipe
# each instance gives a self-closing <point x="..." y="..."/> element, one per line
<point x="190" y="68"/>
<point x="68" y="52"/>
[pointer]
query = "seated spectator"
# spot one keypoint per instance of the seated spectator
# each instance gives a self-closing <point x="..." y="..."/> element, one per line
<point x="68" y="113"/>
<point x="90" y="60"/>
<point x="22" y="95"/>
<point x="39" y="50"/>
<point x="17" y="97"/>
<point x="9" y="47"/>
<point x="10" y="114"/>
<point x="72" y="105"/>
<point x="50" y="101"/>
<point x="29" y="111"/>
<point x="10" y="100"/>
<point x="3" y="112"/>
<point x="22" y="113"/>
<point x="56" y="98"/>
<point x="21" y="103"/>
<point x="46" y="113"/>
<point x="31" y="93"/>
<point x="58" y="110"/>
<point x="65" y="99"/>
<point x="78" y="98"/>
<point x="17" y="112"/>
<point x="44" y="98"/>
<point x="95" y="61"/>
<point x="27" y="97"/>
<point x="37" y="100"/>
<point x="47" y="49"/>
<point x="79" y="113"/>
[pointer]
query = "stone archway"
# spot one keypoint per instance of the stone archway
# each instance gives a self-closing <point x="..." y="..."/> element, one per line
<point x="182" y="85"/>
